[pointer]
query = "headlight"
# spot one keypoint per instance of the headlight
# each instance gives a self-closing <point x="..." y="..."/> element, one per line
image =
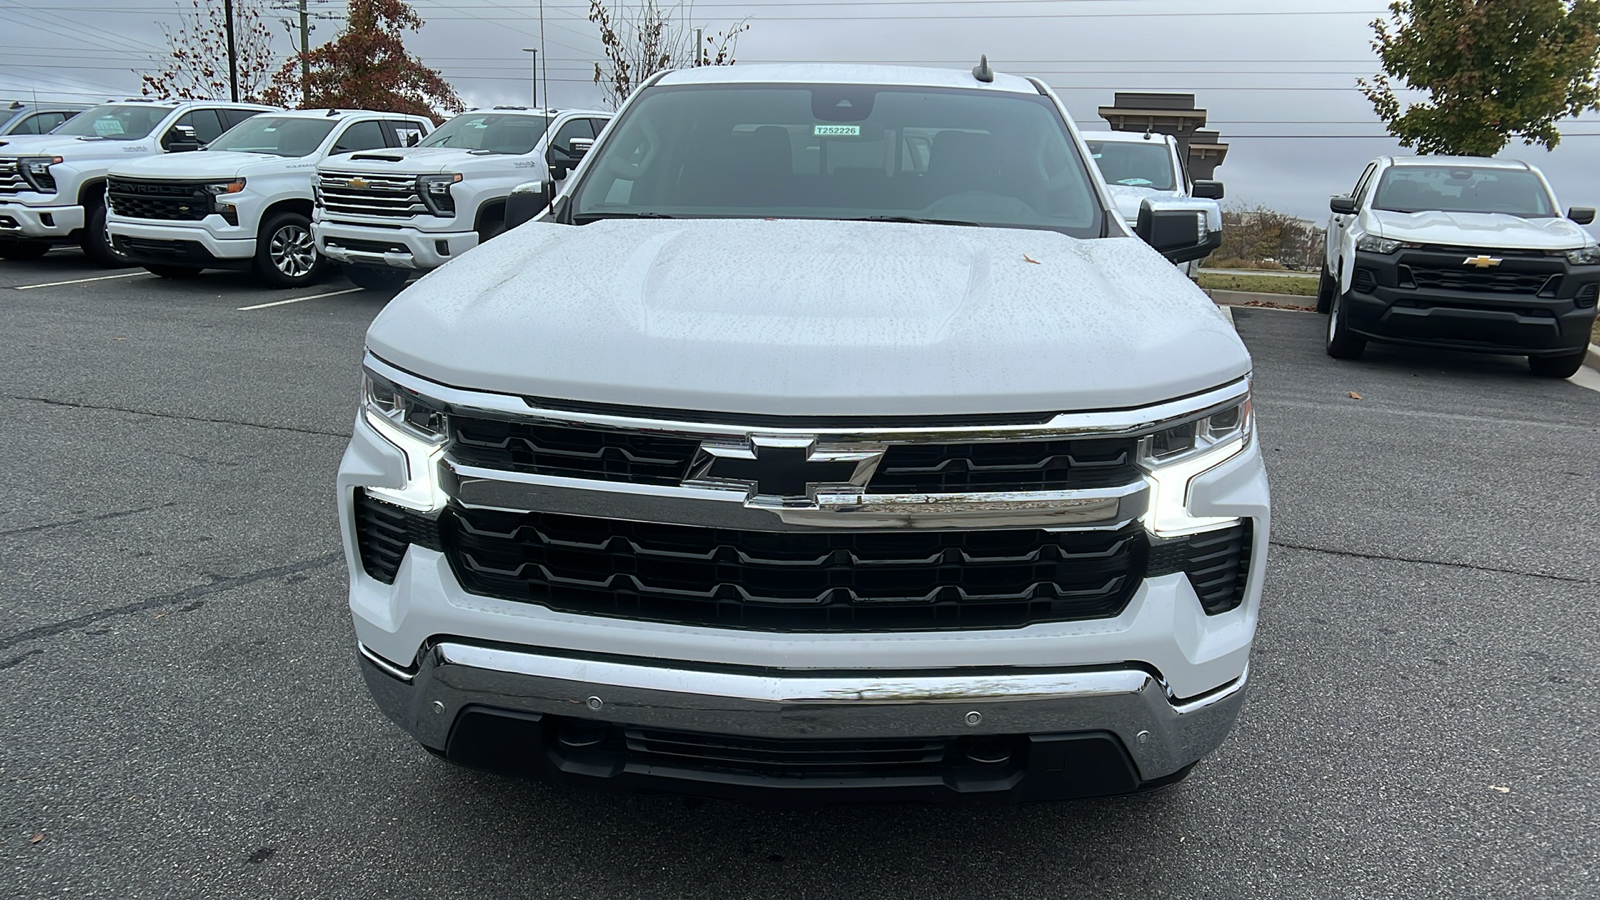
<point x="1584" y="256"/>
<point x="408" y="422"/>
<point x="1374" y="244"/>
<point x="36" y="171"/>
<point x="226" y="187"/>
<point x="435" y="192"/>
<point x="1173" y="456"/>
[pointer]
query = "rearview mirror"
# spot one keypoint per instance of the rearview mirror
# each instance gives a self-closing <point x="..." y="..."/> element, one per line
<point x="1208" y="190"/>
<point x="1344" y="206"/>
<point x="1180" y="229"/>
<point x="527" y="202"/>
<point x="1583" y="215"/>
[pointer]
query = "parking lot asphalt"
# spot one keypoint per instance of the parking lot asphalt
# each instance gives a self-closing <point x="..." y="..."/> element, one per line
<point x="186" y="718"/>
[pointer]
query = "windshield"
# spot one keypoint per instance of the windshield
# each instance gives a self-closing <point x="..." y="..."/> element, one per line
<point x="1517" y="192"/>
<point x="842" y="152"/>
<point x="492" y="132"/>
<point x="115" y="121"/>
<point x="275" y="136"/>
<point x="1146" y="164"/>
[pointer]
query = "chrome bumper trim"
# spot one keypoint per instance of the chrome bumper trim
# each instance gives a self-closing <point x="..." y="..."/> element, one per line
<point x="1161" y="737"/>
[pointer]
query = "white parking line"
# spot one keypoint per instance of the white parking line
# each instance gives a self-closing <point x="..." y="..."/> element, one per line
<point x="300" y="299"/>
<point x="29" y="287"/>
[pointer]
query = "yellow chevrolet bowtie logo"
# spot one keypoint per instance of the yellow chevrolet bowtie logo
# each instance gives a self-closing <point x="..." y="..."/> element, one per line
<point x="359" y="183"/>
<point x="1482" y="262"/>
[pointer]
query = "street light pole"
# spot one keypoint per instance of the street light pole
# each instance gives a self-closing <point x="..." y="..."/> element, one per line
<point x="535" y="53"/>
<point x="233" y="60"/>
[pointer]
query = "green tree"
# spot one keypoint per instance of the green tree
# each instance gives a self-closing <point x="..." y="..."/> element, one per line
<point x="1492" y="70"/>
<point x="367" y="67"/>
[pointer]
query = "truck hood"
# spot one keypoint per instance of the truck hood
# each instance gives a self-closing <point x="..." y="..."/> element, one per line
<point x="425" y="161"/>
<point x="791" y="317"/>
<point x="75" y="150"/>
<point x="18" y="144"/>
<point x="222" y="164"/>
<point x="1128" y="197"/>
<point x="1489" y="230"/>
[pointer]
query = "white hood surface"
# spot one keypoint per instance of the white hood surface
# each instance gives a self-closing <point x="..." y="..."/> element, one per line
<point x="800" y="318"/>
<point x="1488" y="230"/>
<point x="417" y="161"/>
<point x="219" y="164"/>
<point x="74" y="149"/>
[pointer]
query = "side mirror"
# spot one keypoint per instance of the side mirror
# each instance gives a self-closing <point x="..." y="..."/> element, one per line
<point x="1180" y="230"/>
<point x="580" y="148"/>
<point x="1208" y="190"/>
<point x="1344" y="206"/>
<point x="527" y="202"/>
<point x="1583" y="215"/>
<point x="181" y="139"/>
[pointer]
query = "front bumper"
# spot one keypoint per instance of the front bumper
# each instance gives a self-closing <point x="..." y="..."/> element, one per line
<point x="1386" y="303"/>
<point x="1037" y="734"/>
<point x="57" y="224"/>
<point x="398" y="248"/>
<point x="172" y="244"/>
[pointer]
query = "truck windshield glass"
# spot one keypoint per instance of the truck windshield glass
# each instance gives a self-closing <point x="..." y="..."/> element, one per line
<point x="275" y="135"/>
<point x="948" y="156"/>
<point x="1146" y="164"/>
<point x="116" y="122"/>
<point x="490" y="132"/>
<point x="1516" y="192"/>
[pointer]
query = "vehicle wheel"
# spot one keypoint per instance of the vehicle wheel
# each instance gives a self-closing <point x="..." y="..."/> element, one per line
<point x="172" y="271"/>
<point x="1342" y="344"/>
<point x="23" y="250"/>
<point x="286" y="254"/>
<point x="96" y="241"/>
<point x="375" y="279"/>
<point x="1326" y="288"/>
<point x="1557" y="366"/>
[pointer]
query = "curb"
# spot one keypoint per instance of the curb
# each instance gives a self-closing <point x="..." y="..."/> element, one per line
<point x="1592" y="359"/>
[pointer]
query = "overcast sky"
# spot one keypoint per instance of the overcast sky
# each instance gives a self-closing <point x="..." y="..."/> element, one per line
<point x="1277" y="76"/>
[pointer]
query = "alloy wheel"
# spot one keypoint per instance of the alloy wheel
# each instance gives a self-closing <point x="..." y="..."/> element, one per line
<point x="293" y="251"/>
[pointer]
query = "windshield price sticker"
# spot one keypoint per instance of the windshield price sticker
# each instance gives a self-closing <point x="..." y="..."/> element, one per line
<point x="837" y="131"/>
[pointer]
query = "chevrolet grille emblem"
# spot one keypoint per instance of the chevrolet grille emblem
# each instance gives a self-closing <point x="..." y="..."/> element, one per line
<point x="358" y="183"/>
<point x="1482" y="262"/>
<point x="782" y="467"/>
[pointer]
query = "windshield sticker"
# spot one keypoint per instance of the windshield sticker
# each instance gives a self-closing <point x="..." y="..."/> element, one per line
<point x="837" y="131"/>
<point x="107" y="127"/>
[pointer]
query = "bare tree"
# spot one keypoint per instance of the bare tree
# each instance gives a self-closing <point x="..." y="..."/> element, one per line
<point x="641" y="39"/>
<point x="196" y="64"/>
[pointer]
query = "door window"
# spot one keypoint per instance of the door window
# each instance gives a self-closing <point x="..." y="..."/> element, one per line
<point x="207" y="127"/>
<point x="404" y="133"/>
<point x="366" y="135"/>
<point x="232" y="117"/>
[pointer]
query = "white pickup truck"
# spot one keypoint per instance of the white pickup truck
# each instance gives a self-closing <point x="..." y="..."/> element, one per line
<point x="1136" y="166"/>
<point x="53" y="188"/>
<point x="832" y="436"/>
<point x="388" y="214"/>
<point x="246" y="202"/>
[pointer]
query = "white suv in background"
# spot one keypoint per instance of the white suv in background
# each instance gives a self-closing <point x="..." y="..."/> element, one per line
<point x="245" y="203"/>
<point x="52" y="189"/>
<point x="1136" y="166"/>
<point x="386" y="214"/>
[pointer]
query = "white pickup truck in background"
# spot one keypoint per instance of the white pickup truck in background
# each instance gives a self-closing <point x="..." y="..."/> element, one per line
<point x="388" y="214"/>
<point x="1139" y="166"/>
<point x="245" y="203"/>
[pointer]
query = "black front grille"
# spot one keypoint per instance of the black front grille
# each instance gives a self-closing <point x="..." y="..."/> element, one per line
<point x="171" y="201"/>
<point x="11" y="180"/>
<point x="152" y="246"/>
<point x="369" y="246"/>
<point x="1005" y="466"/>
<point x="1588" y="294"/>
<point x="1364" y="281"/>
<point x="1424" y="276"/>
<point x="523" y="446"/>
<point x="795" y="581"/>
<point x="797" y="759"/>
<point x="383" y="531"/>
<point x="1217" y="563"/>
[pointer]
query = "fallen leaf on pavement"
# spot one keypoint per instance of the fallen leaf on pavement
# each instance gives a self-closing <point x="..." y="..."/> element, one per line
<point x="1354" y="396"/>
<point x="1496" y="787"/>
<point x="1027" y="258"/>
<point x="36" y="838"/>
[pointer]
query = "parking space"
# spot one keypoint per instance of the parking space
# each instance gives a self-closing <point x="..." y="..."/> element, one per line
<point x="187" y="718"/>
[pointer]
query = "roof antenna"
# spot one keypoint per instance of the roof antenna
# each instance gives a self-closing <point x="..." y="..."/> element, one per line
<point x="332" y="113"/>
<point x="982" y="72"/>
<point x="1149" y="133"/>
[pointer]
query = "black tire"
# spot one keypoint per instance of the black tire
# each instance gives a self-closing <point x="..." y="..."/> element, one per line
<point x="1326" y="288"/>
<point x="96" y="241"/>
<point x="375" y="279"/>
<point x="1557" y="366"/>
<point x="174" y="272"/>
<point x="1342" y="343"/>
<point x="286" y="255"/>
<point x="23" y="250"/>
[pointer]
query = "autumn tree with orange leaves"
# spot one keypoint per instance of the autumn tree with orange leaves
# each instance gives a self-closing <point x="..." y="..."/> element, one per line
<point x="367" y="67"/>
<point x="195" y="66"/>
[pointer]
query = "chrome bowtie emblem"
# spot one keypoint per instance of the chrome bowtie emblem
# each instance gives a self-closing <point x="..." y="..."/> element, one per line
<point x="789" y="467"/>
<point x="358" y="183"/>
<point x="1482" y="262"/>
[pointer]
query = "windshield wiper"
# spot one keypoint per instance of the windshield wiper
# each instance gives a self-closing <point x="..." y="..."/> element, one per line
<point x="911" y="220"/>
<point x="593" y="217"/>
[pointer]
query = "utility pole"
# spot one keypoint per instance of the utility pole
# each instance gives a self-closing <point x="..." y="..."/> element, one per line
<point x="233" y="58"/>
<point x="699" y="45"/>
<point x="305" y="48"/>
<point x="535" y="74"/>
